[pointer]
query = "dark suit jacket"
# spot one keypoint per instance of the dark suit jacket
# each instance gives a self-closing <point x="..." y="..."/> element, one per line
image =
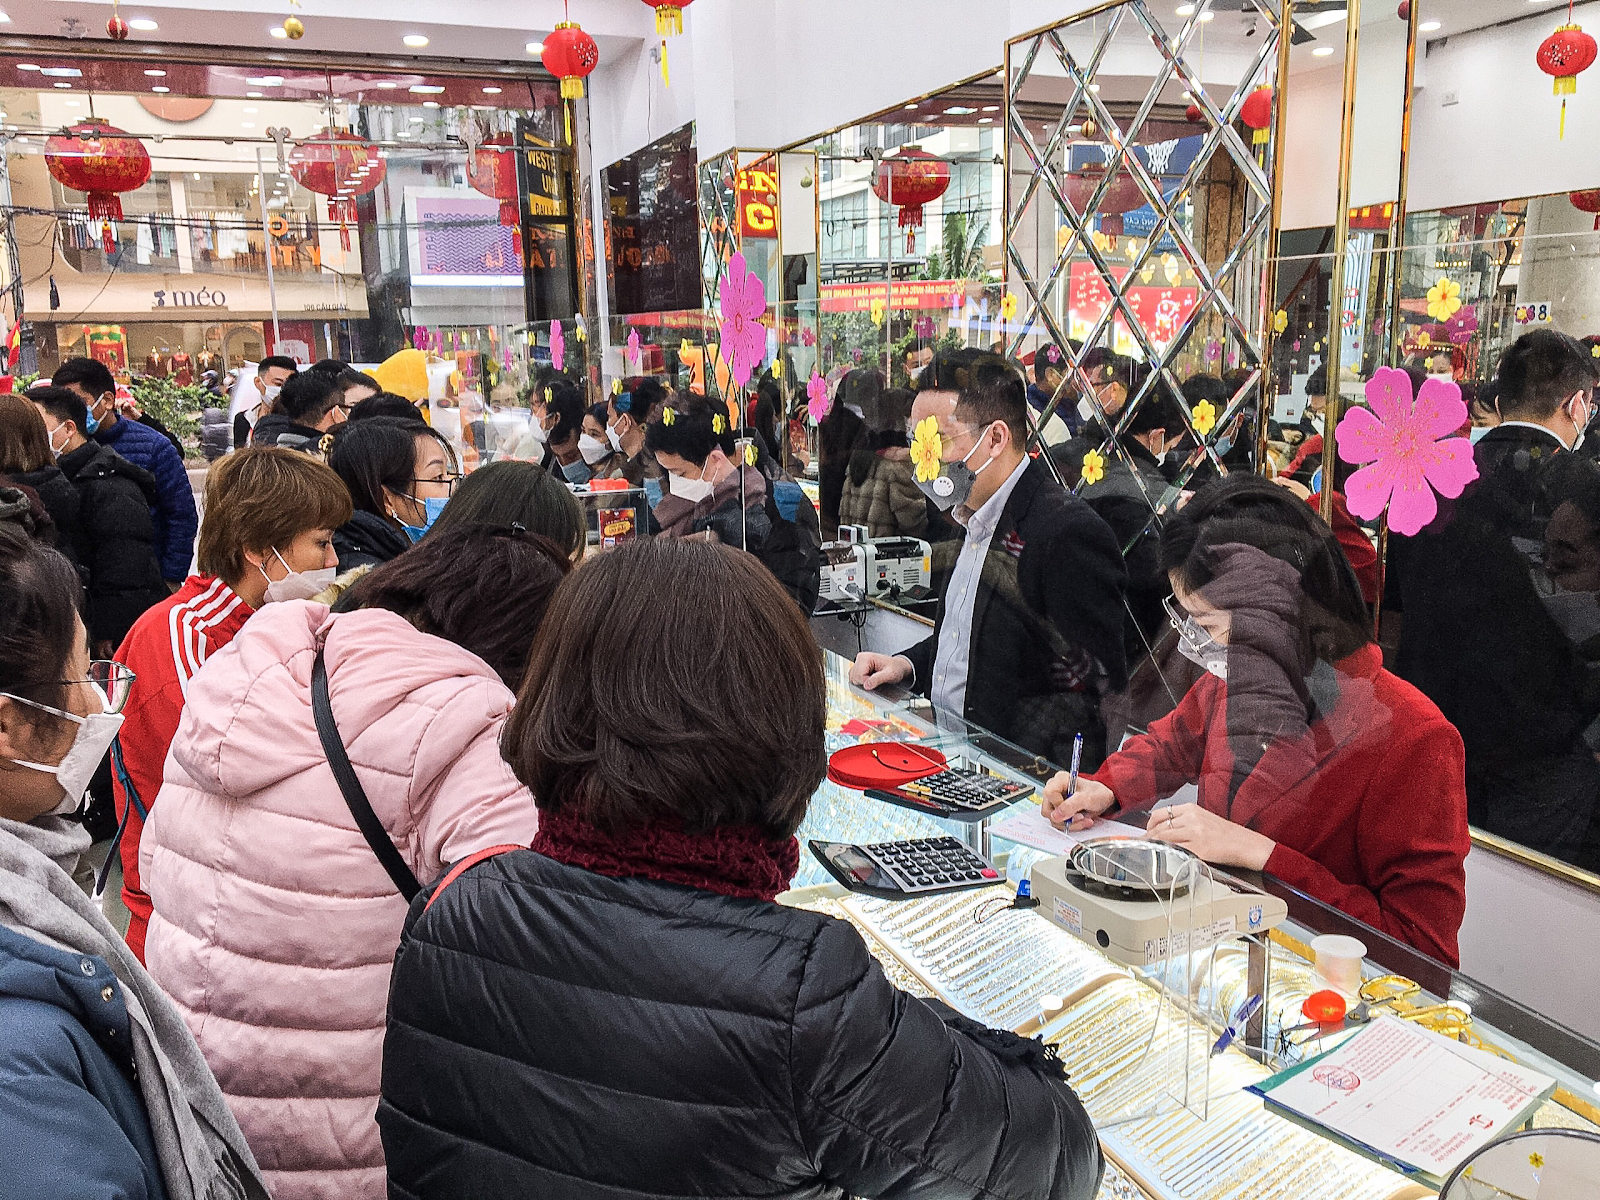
<point x="1051" y="592"/>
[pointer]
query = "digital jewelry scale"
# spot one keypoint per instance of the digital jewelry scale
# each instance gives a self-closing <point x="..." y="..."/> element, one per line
<point x="1142" y="902"/>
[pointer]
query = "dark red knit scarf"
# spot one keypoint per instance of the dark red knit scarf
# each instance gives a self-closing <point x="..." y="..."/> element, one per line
<point x="730" y="860"/>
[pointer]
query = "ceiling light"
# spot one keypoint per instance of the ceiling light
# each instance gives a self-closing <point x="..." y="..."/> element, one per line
<point x="62" y="72"/>
<point x="63" y="85"/>
<point x="425" y="89"/>
<point x="159" y="88"/>
<point x="1207" y="15"/>
<point x="252" y="95"/>
<point x="913" y="105"/>
<point x="27" y="66"/>
<point x="156" y="73"/>
<point x="278" y="31"/>
<point x="959" y="110"/>
<point x="1185" y="10"/>
<point x="415" y="40"/>
<point x="491" y="91"/>
<point x="534" y="47"/>
<point x="1427" y="27"/>
<point x="416" y="120"/>
<point x="985" y="120"/>
<point x="1094" y="87"/>
<point x="5" y="18"/>
<point x="265" y="81"/>
<point x="991" y="108"/>
<point x="1322" y="51"/>
<point x="143" y="25"/>
<point x="430" y="104"/>
<point x="247" y="124"/>
<point x="388" y="85"/>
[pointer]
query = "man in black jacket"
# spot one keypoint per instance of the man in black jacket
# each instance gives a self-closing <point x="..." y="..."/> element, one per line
<point x="310" y="405"/>
<point x="117" y="547"/>
<point x="1488" y="633"/>
<point x="1029" y="633"/>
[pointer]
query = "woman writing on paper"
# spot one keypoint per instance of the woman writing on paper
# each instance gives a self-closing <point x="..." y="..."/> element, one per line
<point x="1312" y="762"/>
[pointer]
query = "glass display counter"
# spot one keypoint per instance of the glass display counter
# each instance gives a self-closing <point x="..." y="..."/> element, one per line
<point x="1016" y="969"/>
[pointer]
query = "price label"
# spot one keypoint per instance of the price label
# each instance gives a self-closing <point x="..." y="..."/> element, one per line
<point x="1539" y="313"/>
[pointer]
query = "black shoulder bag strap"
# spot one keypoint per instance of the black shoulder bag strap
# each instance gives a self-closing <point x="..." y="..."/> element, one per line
<point x="354" y="796"/>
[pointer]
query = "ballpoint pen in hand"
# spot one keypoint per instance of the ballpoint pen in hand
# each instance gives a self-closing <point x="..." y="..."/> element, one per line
<point x="1077" y="757"/>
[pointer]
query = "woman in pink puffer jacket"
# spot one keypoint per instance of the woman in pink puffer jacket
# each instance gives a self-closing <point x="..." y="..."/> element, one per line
<point x="275" y="926"/>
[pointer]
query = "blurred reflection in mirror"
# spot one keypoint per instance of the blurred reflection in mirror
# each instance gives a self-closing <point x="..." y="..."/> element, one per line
<point x="1534" y="1164"/>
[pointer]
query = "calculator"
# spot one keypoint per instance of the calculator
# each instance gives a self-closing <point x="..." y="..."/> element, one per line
<point x="962" y="792"/>
<point x="900" y="870"/>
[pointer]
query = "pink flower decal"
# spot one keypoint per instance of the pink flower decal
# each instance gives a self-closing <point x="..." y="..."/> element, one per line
<point x="1463" y="326"/>
<point x="633" y="345"/>
<point x="1213" y="350"/>
<point x="743" y="302"/>
<point x="558" y="347"/>
<point x="1407" y="449"/>
<point x="808" y="336"/>
<point x="817" y="397"/>
<point x="924" y="327"/>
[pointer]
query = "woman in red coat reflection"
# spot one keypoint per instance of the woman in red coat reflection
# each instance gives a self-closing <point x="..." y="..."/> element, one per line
<point x="1311" y="761"/>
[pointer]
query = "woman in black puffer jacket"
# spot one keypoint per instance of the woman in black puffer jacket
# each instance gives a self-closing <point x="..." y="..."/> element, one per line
<point x="623" y="1011"/>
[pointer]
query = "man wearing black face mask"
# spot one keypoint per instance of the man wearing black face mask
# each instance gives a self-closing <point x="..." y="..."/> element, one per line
<point x="1030" y="626"/>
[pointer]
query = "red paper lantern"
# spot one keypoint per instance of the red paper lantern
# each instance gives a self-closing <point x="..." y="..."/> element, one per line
<point x="570" y="55"/>
<point x="910" y="178"/>
<point x="339" y="165"/>
<point x="1589" y="202"/>
<point x="669" y="16"/>
<point x="494" y="173"/>
<point x="1122" y="196"/>
<point x="96" y="157"/>
<point x="117" y="29"/>
<point x="1562" y="55"/>
<point x="1256" y="112"/>
<point x="1192" y="114"/>
<point x="1404" y="11"/>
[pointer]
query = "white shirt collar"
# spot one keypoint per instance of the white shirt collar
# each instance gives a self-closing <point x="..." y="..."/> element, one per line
<point x="1534" y="425"/>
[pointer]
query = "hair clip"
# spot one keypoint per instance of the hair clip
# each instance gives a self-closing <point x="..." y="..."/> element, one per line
<point x="668" y="416"/>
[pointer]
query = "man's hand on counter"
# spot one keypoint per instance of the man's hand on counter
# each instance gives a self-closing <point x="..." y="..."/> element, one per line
<point x="1077" y="811"/>
<point x="874" y="670"/>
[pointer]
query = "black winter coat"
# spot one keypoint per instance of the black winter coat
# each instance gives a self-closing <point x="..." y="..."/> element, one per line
<point x="560" y="1034"/>
<point x="60" y="500"/>
<point x="118" y="538"/>
<point x="367" y="540"/>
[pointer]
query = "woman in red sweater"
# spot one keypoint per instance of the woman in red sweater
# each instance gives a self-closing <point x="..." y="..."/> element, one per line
<point x="1312" y="762"/>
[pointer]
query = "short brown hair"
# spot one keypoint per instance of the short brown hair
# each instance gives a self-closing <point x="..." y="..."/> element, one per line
<point x="24" y="439"/>
<point x="672" y="680"/>
<point x="263" y="498"/>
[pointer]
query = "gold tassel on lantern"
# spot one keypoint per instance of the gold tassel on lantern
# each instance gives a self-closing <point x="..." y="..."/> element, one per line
<point x="669" y="20"/>
<point x="666" y="79"/>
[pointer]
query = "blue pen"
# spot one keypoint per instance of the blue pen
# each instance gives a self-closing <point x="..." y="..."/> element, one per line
<point x="1077" y="757"/>
<point x="1241" y="1018"/>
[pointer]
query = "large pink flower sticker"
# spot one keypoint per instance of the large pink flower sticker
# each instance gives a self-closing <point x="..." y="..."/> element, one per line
<point x="558" y="347"/>
<point x="817" y="397"/>
<point x="743" y="302"/>
<point x="1400" y="441"/>
<point x="1463" y="326"/>
<point x="808" y="337"/>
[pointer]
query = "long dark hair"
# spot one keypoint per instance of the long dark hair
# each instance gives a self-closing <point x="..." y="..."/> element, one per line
<point x="510" y="492"/>
<point x="376" y="454"/>
<point x="39" y="596"/>
<point x="483" y="587"/>
<point x="1252" y="511"/>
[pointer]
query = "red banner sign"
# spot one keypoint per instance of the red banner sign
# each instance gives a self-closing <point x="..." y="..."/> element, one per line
<point x="902" y="294"/>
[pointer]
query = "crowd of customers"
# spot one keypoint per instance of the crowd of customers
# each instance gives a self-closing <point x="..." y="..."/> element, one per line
<point x="450" y="850"/>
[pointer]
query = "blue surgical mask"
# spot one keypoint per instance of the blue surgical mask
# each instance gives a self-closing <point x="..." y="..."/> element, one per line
<point x="1475" y="434"/>
<point x="91" y="425"/>
<point x="431" y="507"/>
<point x="652" y="492"/>
<point x="577" y="471"/>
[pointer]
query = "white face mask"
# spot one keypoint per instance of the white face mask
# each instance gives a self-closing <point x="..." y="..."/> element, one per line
<point x="296" y="585"/>
<point x="592" y="449"/>
<point x="614" y="438"/>
<point x="89" y="745"/>
<point x="537" y="431"/>
<point x="1195" y="644"/>
<point x="270" y="391"/>
<point x="692" y="490"/>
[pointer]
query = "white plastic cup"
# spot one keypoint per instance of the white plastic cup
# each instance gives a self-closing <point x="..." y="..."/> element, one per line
<point x="1338" y="961"/>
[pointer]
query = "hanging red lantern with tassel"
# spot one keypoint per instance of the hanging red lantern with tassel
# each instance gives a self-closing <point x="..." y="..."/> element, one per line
<point x="1256" y="112"/>
<point x="570" y="55"/>
<point x="1589" y="202"/>
<point x="96" y="157"/>
<point x="1563" y="55"/>
<point x="910" y="178"/>
<point x="493" y="171"/>
<point x="669" y="23"/>
<point x="339" y="165"/>
<point x="1193" y="115"/>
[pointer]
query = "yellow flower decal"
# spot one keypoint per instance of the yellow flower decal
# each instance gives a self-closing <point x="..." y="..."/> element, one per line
<point x="719" y="424"/>
<point x="1280" y="321"/>
<point x="684" y="348"/>
<point x="926" y="447"/>
<point x="877" y="312"/>
<point x="668" y="416"/>
<point x="1205" y="417"/>
<point x="1094" y="467"/>
<point x="1536" y="1160"/>
<point x="750" y="453"/>
<point x="1424" y="339"/>
<point x="777" y="368"/>
<point x="1008" y="306"/>
<point x="549" y="395"/>
<point x="1595" y="350"/>
<point x="578" y="332"/>
<point x="1444" y="297"/>
<point x="616" y="387"/>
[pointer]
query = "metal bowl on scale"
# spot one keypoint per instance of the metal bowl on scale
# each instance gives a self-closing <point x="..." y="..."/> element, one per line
<point x="1131" y="869"/>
